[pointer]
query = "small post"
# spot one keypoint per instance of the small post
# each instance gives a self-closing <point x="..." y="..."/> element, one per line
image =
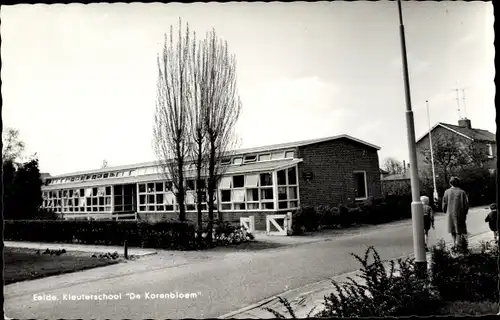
<point x="252" y="224"/>
<point x="125" y="249"/>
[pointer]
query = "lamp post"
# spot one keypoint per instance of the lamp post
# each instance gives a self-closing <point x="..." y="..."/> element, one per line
<point x="416" y="205"/>
<point x="432" y="155"/>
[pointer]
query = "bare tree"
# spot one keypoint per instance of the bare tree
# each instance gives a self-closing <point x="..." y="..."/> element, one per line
<point x="198" y="150"/>
<point x="221" y="106"/>
<point x="12" y="147"/>
<point x="393" y="166"/>
<point x="104" y="164"/>
<point x="171" y="122"/>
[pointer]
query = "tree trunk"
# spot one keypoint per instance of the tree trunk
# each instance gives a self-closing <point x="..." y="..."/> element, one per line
<point x="180" y="192"/>
<point x="211" y="191"/>
<point x="199" y="195"/>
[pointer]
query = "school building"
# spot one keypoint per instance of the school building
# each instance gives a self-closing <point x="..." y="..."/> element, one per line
<point x="257" y="182"/>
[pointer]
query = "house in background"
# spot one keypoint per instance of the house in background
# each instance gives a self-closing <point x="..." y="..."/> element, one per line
<point x="395" y="184"/>
<point x="465" y="133"/>
<point x="257" y="182"/>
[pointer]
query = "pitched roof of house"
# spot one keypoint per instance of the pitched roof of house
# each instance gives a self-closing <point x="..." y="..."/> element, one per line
<point x="472" y="134"/>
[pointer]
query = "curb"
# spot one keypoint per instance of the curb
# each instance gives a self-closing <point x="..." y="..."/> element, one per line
<point x="275" y="297"/>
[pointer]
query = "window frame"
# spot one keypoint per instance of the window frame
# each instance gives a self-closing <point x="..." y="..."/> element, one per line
<point x="356" y="198"/>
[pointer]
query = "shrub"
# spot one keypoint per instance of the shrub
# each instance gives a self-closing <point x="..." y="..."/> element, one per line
<point x="384" y="293"/>
<point x="305" y="219"/>
<point x="329" y="216"/>
<point x="166" y="235"/>
<point x="468" y="277"/>
<point x="225" y="233"/>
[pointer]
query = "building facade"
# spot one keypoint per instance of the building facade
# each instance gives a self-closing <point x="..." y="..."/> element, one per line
<point x="257" y="182"/>
<point x="463" y="134"/>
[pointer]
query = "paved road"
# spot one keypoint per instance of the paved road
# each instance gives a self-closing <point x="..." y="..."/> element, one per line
<point x="223" y="283"/>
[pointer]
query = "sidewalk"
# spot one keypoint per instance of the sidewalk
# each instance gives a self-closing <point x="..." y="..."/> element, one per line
<point x="311" y="296"/>
<point x="138" y="252"/>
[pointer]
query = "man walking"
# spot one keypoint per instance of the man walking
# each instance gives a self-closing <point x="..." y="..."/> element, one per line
<point x="456" y="205"/>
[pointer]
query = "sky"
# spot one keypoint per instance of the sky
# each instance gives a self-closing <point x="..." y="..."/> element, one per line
<point x="79" y="81"/>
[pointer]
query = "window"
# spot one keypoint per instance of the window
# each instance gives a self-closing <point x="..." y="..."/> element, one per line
<point x="289" y="154"/>
<point x="238" y="181"/>
<point x="237" y="160"/>
<point x="225" y="161"/>
<point x="250" y="158"/>
<point x="264" y="157"/>
<point x="87" y="177"/>
<point x="277" y="155"/>
<point x="490" y="150"/>
<point x="112" y="174"/>
<point x="287" y="188"/>
<point x="93" y="177"/>
<point x="157" y="197"/>
<point x="360" y="185"/>
<point x="247" y="192"/>
<point x="72" y="179"/>
<point x="105" y="175"/>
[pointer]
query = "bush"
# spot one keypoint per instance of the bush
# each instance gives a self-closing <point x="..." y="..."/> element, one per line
<point x="329" y="216"/>
<point x="225" y="233"/>
<point x="384" y="294"/>
<point x="305" y="219"/>
<point x="468" y="277"/>
<point x="165" y="235"/>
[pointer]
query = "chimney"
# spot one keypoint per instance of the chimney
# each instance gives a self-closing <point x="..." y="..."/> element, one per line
<point x="464" y="123"/>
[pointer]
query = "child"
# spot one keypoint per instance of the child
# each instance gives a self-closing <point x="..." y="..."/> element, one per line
<point x="428" y="218"/>
<point x="491" y="219"/>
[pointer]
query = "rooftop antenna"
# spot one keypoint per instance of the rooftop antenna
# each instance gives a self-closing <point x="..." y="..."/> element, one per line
<point x="463" y="98"/>
<point x="458" y="105"/>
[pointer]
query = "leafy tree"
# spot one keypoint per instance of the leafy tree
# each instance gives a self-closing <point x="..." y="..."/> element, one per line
<point x="12" y="146"/>
<point x="23" y="190"/>
<point x="452" y="155"/>
<point x="393" y="166"/>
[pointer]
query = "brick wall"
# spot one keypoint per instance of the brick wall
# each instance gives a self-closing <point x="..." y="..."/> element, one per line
<point x="332" y="164"/>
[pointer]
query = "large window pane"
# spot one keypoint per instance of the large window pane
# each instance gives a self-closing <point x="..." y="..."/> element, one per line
<point x="142" y="199"/>
<point x="239" y="206"/>
<point x="253" y="194"/>
<point x="267" y="205"/>
<point x="238" y="195"/>
<point x="226" y="183"/>
<point x="282" y="204"/>
<point x="151" y="199"/>
<point x="251" y="180"/>
<point x="238" y="181"/>
<point x="292" y="175"/>
<point x="225" y="195"/>
<point x="159" y="198"/>
<point x="282" y="193"/>
<point x="292" y="193"/>
<point x="266" y="179"/>
<point x="266" y="194"/>
<point x="282" y="178"/>
<point x="151" y="187"/>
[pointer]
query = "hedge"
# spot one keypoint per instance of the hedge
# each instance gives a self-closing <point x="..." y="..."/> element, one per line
<point x="165" y="235"/>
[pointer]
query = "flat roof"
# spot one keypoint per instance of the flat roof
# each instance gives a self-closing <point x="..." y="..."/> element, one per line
<point x="232" y="153"/>
<point x="262" y="166"/>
